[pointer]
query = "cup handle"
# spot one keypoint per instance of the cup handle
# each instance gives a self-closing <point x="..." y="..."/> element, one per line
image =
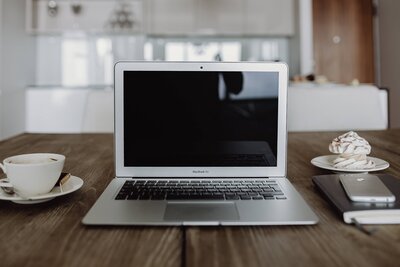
<point x="3" y="168"/>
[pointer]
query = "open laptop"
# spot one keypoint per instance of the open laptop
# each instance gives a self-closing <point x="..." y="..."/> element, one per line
<point x="200" y="143"/>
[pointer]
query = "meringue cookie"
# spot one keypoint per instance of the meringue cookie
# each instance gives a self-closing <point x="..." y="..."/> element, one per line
<point x="347" y="161"/>
<point x="350" y="143"/>
<point x="353" y="151"/>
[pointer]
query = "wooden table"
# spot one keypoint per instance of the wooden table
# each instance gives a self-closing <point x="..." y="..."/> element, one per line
<point x="51" y="234"/>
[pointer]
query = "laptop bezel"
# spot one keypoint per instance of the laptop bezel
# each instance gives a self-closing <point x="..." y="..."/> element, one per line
<point x="123" y="171"/>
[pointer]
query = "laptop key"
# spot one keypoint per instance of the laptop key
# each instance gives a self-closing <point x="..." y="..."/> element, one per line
<point x="133" y="197"/>
<point x="267" y="194"/>
<point x="158" y="197"/>
<point x="178" y="197"/>
<point x="268" y="198"/>
<point x="121" y="196"/>
<point x="144" y="197"/>
<point x="268" y="190"/>
<point x="213" y="197"/>
<point x="195" y="197"/>
<point x="246" y="190"/>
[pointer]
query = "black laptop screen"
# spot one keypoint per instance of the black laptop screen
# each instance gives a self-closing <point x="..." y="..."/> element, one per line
<point x="212" y="119"/>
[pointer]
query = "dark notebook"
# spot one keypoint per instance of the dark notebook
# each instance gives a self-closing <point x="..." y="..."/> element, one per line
<point x="363" y="212"/>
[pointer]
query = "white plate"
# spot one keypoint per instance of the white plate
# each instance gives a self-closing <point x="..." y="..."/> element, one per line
<point x="326" y="162"/>
<point x="73" y="184"/>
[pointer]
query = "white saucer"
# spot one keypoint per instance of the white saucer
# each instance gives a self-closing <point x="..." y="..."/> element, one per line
<point x="73" y="184"/>
<point x="326" y="162"/>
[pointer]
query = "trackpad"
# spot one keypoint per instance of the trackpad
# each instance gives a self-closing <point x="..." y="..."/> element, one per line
<point x="192" y="211"/>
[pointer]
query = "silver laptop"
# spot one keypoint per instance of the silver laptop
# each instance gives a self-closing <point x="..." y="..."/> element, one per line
<point x="200" y="143"/>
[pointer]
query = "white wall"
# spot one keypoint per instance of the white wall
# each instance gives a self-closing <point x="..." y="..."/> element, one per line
<point x="294" y="43"/>
<point x="17" y="66"/>
<point x="389" y="35"/>
<point x="306" y="37"/>
<point x="301" y="43"/>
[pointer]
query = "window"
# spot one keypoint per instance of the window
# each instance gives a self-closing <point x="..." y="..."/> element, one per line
<point x="74" y="61"/>
<point x="202" y="51"/>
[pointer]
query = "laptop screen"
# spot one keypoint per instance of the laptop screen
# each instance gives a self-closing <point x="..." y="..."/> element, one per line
<point x="190" y="118"/>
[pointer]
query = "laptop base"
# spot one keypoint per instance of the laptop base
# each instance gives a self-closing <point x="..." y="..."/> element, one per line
<point x="109" y="211"/>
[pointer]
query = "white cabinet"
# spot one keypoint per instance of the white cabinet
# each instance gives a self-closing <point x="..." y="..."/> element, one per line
<point x="223" y="17"/>
<point x="370" y="114"/>
<point x="55" y="110"/>
<point x="67" y="110"/>
<point x="269" y="17"/>
<point x="170" y="17"/>
<point x="220" y="17"/>
<point x="200" y="17"/>
<point x="164" y="17"/>
<point x="44" y="16"/>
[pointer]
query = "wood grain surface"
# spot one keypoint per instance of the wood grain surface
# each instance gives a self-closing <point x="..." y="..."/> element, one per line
<point x="51" y="234"/>
<point x="329" y="243"/>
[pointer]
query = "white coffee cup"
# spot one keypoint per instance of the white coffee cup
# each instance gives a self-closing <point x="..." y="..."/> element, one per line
<point x="33" y="174"/>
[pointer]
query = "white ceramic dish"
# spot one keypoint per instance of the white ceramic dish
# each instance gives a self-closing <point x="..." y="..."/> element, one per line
<point x="73" y="184"/>
<point x="326" y="162"/>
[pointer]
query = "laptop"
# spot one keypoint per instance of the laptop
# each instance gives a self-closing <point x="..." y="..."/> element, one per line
<point x="200" y="143"/>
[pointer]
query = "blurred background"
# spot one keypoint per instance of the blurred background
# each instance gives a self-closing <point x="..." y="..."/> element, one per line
<point x="57" y="56"/>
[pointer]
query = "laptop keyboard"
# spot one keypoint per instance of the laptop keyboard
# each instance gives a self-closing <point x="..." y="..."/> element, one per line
<point x="200" y="190"/>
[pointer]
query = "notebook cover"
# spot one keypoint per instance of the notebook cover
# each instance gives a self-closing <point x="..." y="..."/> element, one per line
<point x="332" y="189"/>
